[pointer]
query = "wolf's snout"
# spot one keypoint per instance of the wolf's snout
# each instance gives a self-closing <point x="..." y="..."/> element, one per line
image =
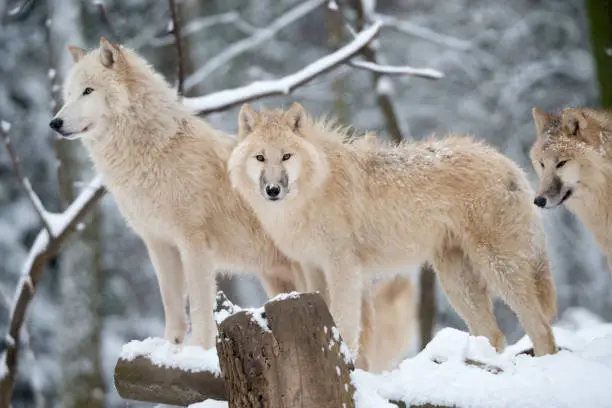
<point x="273" y="190"/>
<point x="540" y="201"/>
<point x="56" y="123"/>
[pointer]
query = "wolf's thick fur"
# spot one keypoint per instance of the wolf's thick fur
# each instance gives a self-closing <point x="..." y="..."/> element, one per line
<point x="572" y="155"/>
<point x="167" y="172"/>
<point x="350" y="210"/>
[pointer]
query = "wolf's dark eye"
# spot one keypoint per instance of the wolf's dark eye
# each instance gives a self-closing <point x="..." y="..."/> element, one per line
<point x="87" y="91"/>
<point x="260" y="157"/>
<point x="541" y="164"/>
<point x="561" y="163"/>
<point x="286" y="156"/>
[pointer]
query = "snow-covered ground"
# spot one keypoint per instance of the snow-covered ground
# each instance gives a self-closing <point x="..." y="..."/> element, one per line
<point x="577" y="376"/>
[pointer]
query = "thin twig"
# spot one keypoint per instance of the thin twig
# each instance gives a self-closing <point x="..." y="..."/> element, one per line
<point x="176" y="31"/>
<point x="23" y="180"/>
<point x="283" y="86"/>
<point x="428" y="73"/>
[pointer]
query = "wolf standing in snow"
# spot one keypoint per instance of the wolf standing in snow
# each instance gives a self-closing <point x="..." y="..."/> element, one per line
<point x="167" y="172"/>
<point x="351" y="211"/>
<point x="572" y="157"/>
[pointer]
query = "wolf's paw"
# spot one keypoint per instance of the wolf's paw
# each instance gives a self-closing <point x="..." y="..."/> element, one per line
<point x="175" y="333"/>
<point x="200" y="341"/>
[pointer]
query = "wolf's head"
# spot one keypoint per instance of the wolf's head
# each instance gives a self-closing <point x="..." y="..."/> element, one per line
<point x="92" y="89"/>
<point x="273" y="158"/>
<point x="563" y="153"/>
<point x="105" y="86"/>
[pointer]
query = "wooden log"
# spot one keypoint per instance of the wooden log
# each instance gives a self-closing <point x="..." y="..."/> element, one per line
<point x="289" y="355"/>
<point x="141" y="380"/>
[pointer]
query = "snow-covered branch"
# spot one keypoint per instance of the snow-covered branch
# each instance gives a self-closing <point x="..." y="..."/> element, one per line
<point x="260" y="37"/>
<point x="5" y="127"/>
<point x="46" y="247"/>
<point x="397" y="70"/>
<point x="283" y="86"/>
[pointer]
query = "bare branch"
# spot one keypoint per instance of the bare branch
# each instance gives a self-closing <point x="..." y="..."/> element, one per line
<point x="176" y="31"/>
<point x="196" y="25"/>
<point x="423" y="33"/>
<point x="44" y="249"/>
<point x="23" y="180"/>
<point x="283" y="86"/>
<point x="259" y="38"/>
<point x="397" y="70"/>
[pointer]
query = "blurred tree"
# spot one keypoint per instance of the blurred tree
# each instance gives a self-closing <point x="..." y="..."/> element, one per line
<point x="339" y="83"/>
<point x="81" y="281"/>
<point x="600" y="17"/>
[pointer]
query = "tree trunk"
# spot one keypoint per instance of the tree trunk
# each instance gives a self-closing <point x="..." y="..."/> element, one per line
<point x="81" y="282"/>
<point x="600" y="18"/>
<point x="339" y="84"/>
<point x="288" y="356"/>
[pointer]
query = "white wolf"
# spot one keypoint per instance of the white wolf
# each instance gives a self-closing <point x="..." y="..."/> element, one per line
<point x="351" y="210"/>
<point x="168" y="174"/>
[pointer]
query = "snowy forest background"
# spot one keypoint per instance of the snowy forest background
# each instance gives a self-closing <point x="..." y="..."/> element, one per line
<point x="499" y="59"/>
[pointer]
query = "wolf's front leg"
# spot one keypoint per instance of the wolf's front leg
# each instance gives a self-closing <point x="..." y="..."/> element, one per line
<point x="167" y="264"/>
<point x="202" y="288"/>
<point x="345" y="285"/>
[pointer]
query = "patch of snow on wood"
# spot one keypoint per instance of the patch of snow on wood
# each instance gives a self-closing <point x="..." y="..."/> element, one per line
<point x="165" y="354"/>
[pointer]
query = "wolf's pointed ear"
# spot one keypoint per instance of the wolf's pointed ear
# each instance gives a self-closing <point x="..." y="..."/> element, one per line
<point x="574" y="121"/>
<point x="109" y="52"/>
<point x="295" y="116"/>
<point x="76" y="52"/>
<point x="246" y="121"/>
<point x="541" y="120"/>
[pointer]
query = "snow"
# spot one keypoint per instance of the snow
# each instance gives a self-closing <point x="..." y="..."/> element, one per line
<point x="284" y="296"/>
<point x="51" y="73"/>
<point x="258" y="317"/>
<point x="576" y="378"/>
<point x="398" y="70"/>
<point x="283" y="86"/>
<point x="344" y="350"/>
<point x="6" y="126"/>
<point x="165" y="354"/>
<point x="4" y="371"/>
<point x="332" y="5"/>
<point x="384" y="86"/>
<point x="210" y="403"/>
<point x="228" y="309"/>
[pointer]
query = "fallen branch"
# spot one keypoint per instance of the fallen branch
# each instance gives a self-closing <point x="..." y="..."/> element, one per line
<point x="260" y="37"/>
<point x="45" y="248"/>
<point x="220" y="100"/>
<point x="23" y="180"/>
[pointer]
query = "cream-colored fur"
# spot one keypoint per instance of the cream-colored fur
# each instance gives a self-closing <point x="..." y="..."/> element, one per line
<point x="572" y="155"/>
<point x="167" y="172"/>
<point x="352" y="211"/>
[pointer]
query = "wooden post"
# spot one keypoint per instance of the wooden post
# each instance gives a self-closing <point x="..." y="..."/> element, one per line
<point x="288" y="354"/>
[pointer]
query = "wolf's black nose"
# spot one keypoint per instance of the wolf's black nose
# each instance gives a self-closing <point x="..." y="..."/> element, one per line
<point x="273" y="190"/>
<point x="540" y="201"/>
<point x="56" y="124"/>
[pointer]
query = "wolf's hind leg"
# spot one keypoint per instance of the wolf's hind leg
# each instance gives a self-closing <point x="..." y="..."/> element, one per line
<point x="469" y="295"/>
<point x="169" y="270"/>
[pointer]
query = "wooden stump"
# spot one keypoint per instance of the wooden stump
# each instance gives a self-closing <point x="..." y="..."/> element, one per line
<point x="288" y="354"/>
